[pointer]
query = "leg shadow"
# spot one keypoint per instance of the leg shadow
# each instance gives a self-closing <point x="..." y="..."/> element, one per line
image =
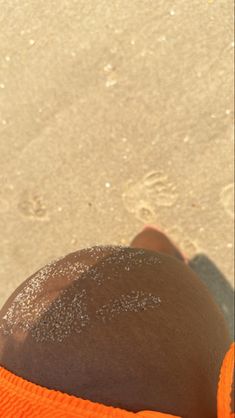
<point x="218" y="286"/>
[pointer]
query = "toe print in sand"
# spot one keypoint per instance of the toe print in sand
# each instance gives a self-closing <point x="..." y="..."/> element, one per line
<point x="144" y="197"/>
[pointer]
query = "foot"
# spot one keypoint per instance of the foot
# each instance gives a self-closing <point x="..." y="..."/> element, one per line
<point x="151" y="238"/>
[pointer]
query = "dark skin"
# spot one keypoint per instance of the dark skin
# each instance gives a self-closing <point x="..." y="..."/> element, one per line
<point x="165" y="359"/>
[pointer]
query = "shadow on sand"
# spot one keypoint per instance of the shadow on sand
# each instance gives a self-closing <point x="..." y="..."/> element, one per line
<point x="218" y="286"/>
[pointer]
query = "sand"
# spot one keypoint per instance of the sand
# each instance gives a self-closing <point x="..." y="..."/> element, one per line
<point x="114" y="115"/>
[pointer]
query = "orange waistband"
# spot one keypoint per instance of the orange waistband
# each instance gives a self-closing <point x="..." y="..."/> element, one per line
<point x="22" y="399"/>
<point x="224" y="398"/>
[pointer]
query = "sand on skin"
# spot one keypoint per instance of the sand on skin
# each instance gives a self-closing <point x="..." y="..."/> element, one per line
<point x="112" y="116"/>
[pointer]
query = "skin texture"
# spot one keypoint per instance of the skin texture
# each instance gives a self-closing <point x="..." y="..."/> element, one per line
<point x="165" y="359"/>
<point x="151" y="238"/>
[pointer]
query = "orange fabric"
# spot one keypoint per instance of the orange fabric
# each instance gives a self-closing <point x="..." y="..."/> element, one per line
<point x="152" y="414"/>
<point x="22" y="399"/>
<point x="225" y="386"/>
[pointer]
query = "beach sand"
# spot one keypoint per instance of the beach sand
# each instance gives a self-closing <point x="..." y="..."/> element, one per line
<point x="114" y="115"/>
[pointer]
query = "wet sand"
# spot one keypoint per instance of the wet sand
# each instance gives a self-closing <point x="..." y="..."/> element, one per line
<point x="113" y="115"/>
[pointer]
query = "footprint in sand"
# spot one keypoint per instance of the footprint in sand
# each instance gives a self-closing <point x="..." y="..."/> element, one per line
<point x="32" y="206"/>
<point x="227" y="199"/>
<point x="144" y="197"/>
<point x="188" y="245"/>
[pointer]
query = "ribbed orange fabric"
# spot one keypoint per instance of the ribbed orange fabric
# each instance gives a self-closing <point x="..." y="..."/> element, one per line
<point x="22" y="399"/>
<point x="152" y="414"/>
<point x="225" y="385"/>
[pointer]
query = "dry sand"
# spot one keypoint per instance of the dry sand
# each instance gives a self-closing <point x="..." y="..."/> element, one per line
<point x="114" y="114"/>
